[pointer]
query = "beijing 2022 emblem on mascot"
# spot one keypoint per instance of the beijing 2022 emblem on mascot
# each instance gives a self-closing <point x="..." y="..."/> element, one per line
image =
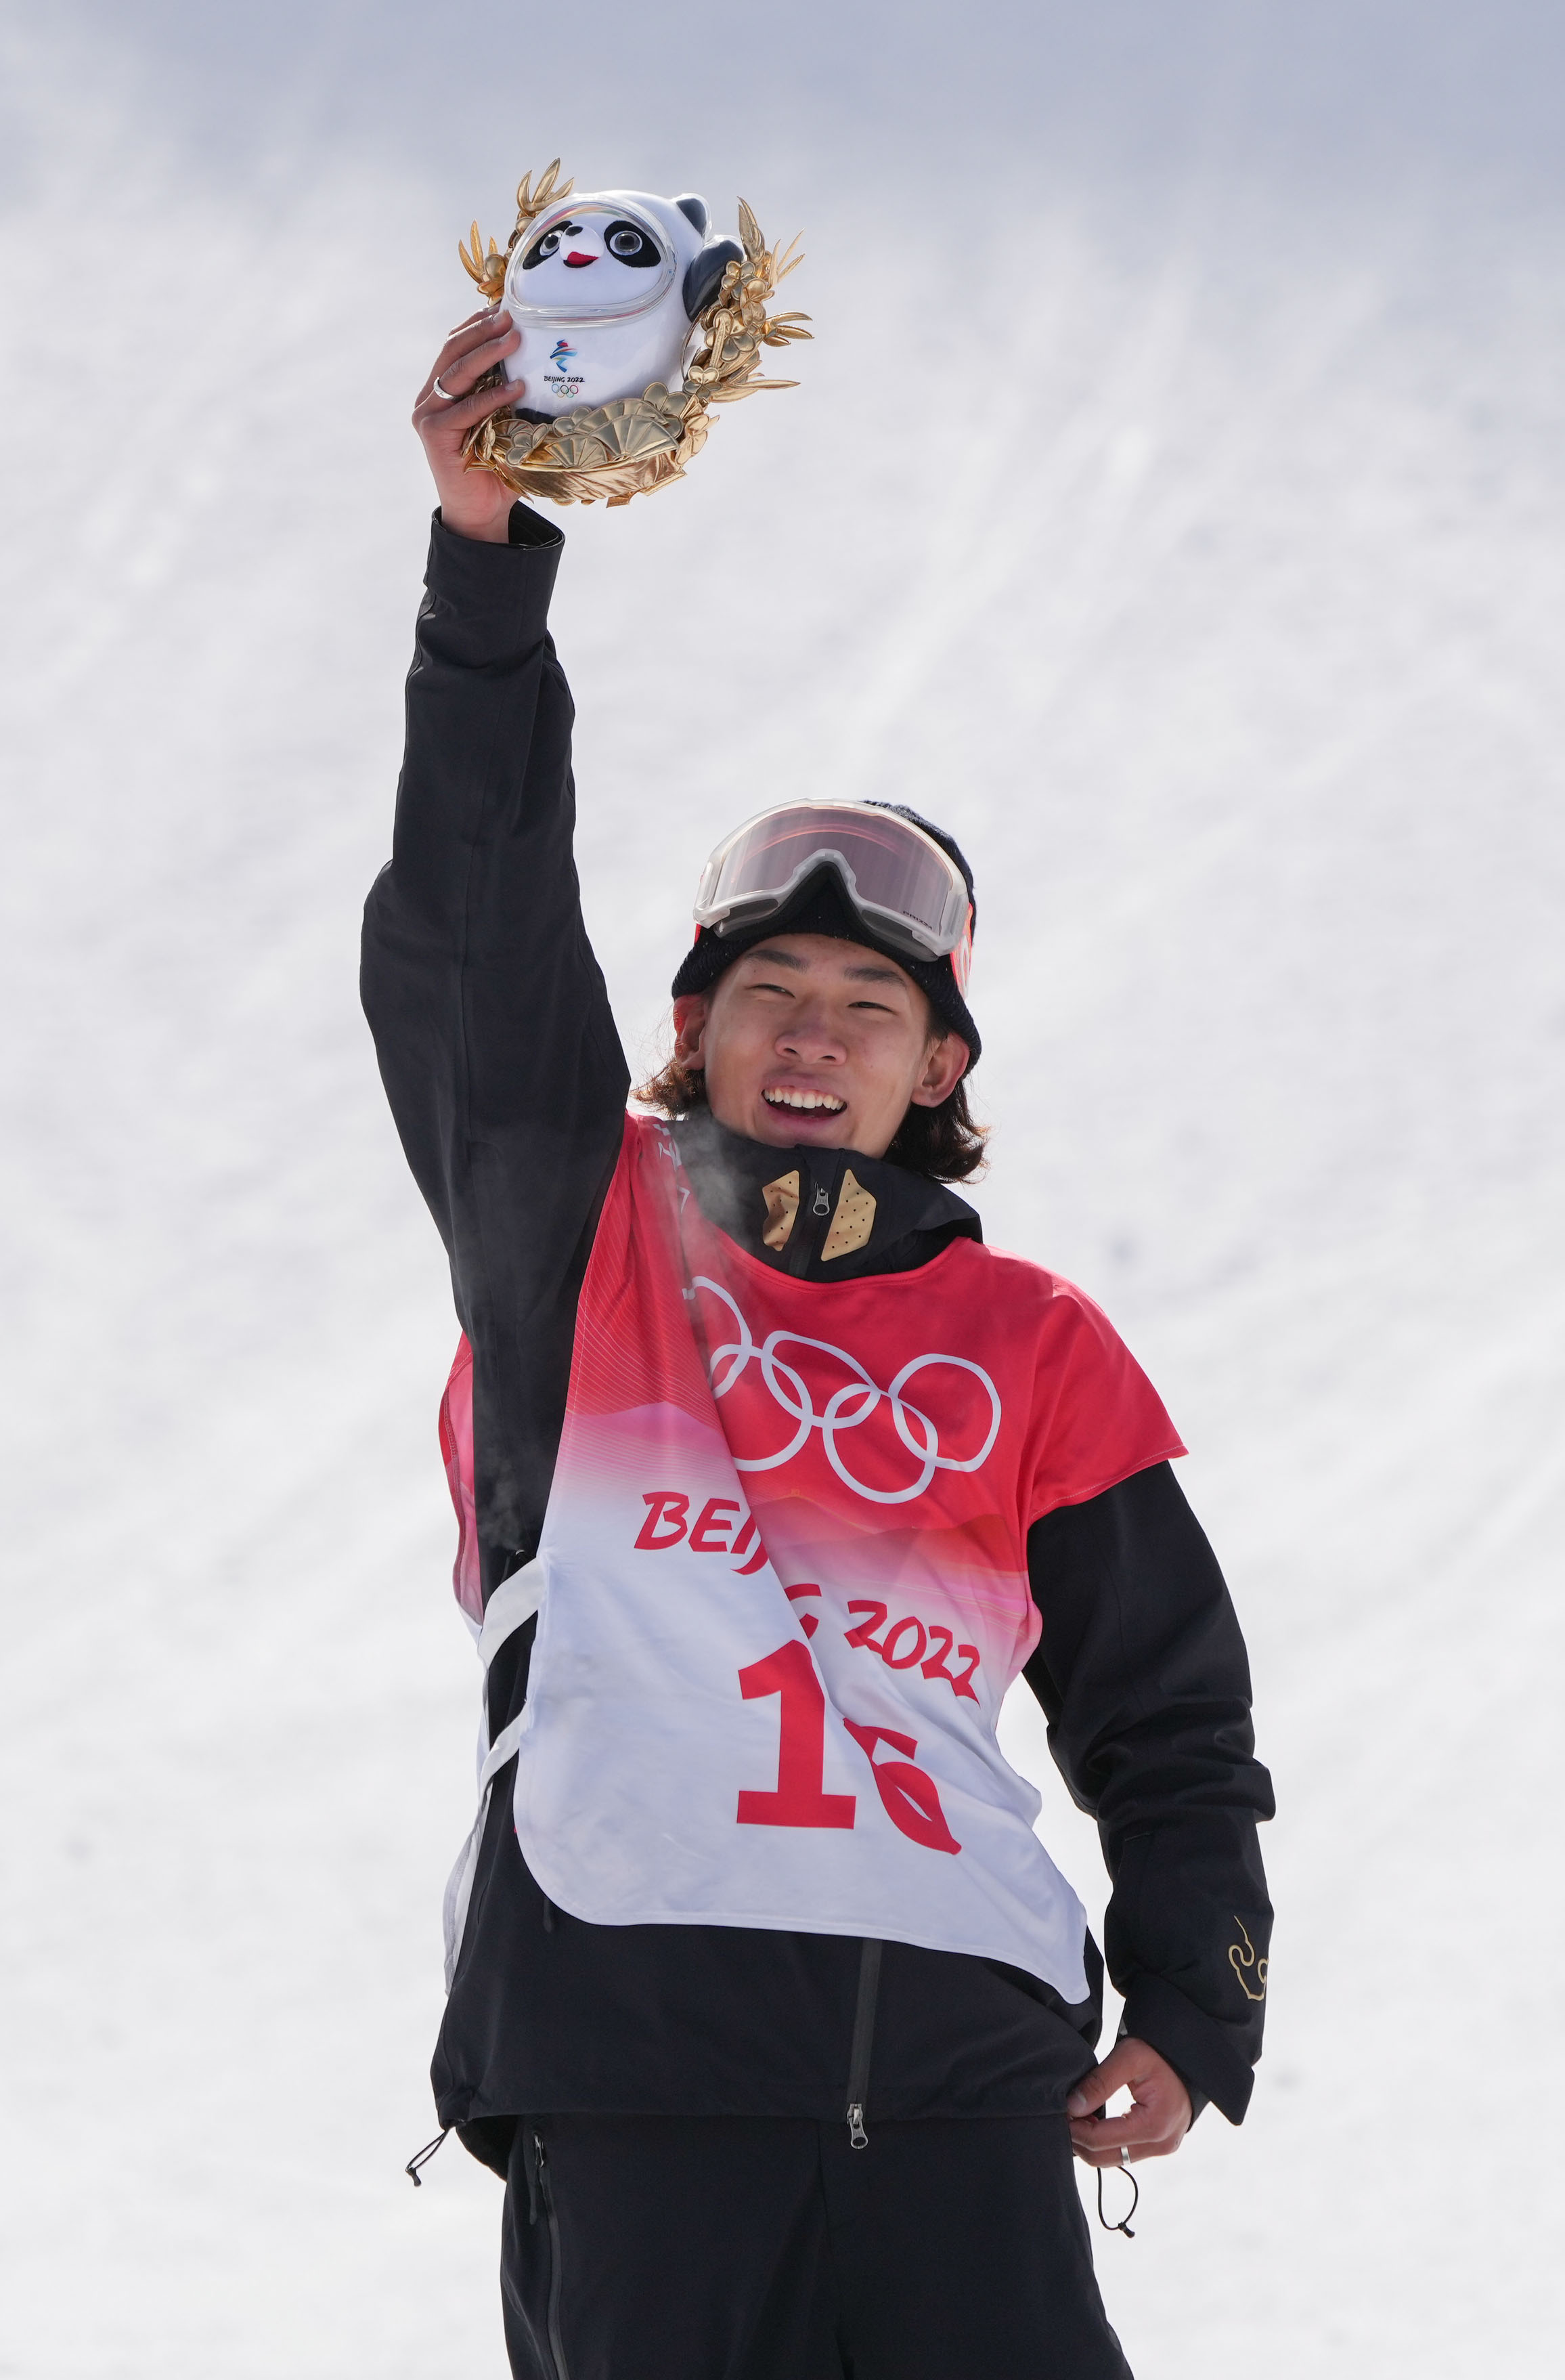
<point x="635" y="320"/>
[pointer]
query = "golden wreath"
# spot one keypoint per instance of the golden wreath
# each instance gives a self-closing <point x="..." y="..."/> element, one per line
<point x="637" y="443"/>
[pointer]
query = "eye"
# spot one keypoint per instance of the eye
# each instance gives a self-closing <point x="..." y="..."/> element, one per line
<point x="542" y="249"/>
<point x="631" y="246"/>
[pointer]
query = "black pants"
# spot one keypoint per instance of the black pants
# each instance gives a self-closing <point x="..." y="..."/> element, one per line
<point x="740" y="2248"/>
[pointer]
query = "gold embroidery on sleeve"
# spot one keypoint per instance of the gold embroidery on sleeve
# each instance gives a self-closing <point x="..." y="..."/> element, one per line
<point x="1239" y="1958"/>
<point x="853" y="1222"/>
<point x="781" y="1205"/>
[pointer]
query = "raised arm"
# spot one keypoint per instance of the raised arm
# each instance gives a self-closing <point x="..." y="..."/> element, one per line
<point x="1142" y="1671"/>
<point x="491" y="1019"/>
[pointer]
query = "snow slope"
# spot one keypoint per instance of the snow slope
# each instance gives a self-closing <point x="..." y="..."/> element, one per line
<point x="1224" y="629"/>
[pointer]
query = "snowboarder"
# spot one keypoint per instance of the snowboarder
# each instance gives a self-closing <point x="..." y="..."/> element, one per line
<point x="764" y="1998"/>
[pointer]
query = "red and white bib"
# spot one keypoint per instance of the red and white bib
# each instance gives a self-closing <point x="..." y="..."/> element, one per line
<point x="781" y="1587"/>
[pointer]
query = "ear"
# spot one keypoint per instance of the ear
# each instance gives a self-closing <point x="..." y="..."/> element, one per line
<point x="690" y="1015"/>
<point x="944" y="1068"/>
<point x="694" y="210"/>
<point x="705" y="276"/>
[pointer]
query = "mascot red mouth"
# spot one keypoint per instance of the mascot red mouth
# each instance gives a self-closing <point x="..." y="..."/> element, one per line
<point x="577" y="260"/>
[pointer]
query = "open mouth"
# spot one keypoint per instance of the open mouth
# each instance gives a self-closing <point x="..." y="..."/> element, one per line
<point x="576" y="259"/>
<point x="805" y="1102"/>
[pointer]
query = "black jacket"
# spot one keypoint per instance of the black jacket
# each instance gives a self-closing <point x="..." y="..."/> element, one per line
<point x="507" y="1081"/>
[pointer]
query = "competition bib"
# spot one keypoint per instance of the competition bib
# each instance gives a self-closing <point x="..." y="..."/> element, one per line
<point x="781" y="1587"/>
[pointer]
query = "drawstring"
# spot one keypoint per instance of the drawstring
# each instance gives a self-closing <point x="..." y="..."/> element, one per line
<point x="548" y="1916"/>
<point x="422" y="2156"/>
<point x="1123" y="2224"/>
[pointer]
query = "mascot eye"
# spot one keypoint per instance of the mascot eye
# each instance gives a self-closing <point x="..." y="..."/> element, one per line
<point x="630" y="245"/>
<point x="541" y="249"/>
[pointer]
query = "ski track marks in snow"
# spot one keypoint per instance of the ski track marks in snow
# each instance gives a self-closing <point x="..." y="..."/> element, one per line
<point x="1225" y="637"/>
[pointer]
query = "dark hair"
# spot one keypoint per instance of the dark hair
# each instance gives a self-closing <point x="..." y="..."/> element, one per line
<point x="943" y="1142"/>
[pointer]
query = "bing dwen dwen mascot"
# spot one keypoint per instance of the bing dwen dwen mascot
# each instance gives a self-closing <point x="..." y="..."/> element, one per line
<point x="635" y="320"/>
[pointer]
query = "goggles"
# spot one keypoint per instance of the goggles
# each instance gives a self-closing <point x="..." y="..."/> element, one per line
<point x="909" y="893"/>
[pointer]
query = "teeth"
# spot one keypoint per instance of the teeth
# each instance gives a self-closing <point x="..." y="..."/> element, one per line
<point x="805" y="1099"/>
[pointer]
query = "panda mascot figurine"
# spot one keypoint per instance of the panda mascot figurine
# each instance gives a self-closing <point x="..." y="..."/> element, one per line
<point x="636" y="321"/>
<point x="604" y="290"/>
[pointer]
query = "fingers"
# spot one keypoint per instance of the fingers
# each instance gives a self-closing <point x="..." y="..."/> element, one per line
<point x="1092" y="2092"/>
<point x="1099" y="2140"/>
<point x="1133" y="2066"/>
<point x="458" y="377"/>
<point x="1154" y="2126"/>
<point x="1101" y="2143"/>
<point x="491" y="321"/>
<point x="470" y="351"/>
<point x="1121" y="2069"/>
<point x="435" y="414"/>
<point x="484" y="314"/>
<point x="450" y="407"/>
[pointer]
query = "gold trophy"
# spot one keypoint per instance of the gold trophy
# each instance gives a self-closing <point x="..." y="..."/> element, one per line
<point x="635" y="320"/>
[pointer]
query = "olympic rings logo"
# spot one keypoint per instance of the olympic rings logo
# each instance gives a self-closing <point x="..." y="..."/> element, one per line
<point x="848" y="1408"/>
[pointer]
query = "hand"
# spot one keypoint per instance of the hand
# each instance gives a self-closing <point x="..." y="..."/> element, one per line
<point x="1156" y="2124"/>
<point x="474" y="503"/>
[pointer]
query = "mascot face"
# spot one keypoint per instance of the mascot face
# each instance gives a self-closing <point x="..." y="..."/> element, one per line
<point x="600" y="291"/>
<point x="593" y="260"/>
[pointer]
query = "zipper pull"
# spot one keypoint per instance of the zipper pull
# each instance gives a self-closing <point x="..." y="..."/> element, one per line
<point x="857" y="2137"/>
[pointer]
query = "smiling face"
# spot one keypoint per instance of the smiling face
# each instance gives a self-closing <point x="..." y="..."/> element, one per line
<point x="807" y="1039"/>
<point x="593" y="259"/>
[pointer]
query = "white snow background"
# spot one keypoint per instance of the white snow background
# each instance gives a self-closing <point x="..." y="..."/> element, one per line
<point x="1174" y="503"/>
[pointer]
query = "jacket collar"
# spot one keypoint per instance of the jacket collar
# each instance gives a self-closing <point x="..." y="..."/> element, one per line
<point x="826" y="1214"/>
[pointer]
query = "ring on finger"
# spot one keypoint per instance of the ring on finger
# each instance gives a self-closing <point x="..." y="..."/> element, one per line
<point x="1124" y="2153"/>
<point x="451" y="398"/>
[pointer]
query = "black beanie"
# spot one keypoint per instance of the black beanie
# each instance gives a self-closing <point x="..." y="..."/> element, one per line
<point x="820" y="907"/>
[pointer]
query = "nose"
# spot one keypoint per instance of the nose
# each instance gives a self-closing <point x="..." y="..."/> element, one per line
<point x="810" y="1041"/>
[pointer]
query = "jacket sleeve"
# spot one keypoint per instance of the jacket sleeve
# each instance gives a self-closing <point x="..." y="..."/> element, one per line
<point x="1142" y="1673"/>
<point x="491" y="1018"/>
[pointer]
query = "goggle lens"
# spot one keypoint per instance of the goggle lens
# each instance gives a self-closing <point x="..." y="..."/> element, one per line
<point x="910" y="891"/>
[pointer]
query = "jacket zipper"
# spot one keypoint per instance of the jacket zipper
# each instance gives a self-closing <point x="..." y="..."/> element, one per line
<point x="863" y="2043"/>
<point x="546" y="2191"/>
<point x="811" y="1224"/>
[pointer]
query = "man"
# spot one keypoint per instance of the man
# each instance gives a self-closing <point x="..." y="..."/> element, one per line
<point x="764" y="1998"/>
